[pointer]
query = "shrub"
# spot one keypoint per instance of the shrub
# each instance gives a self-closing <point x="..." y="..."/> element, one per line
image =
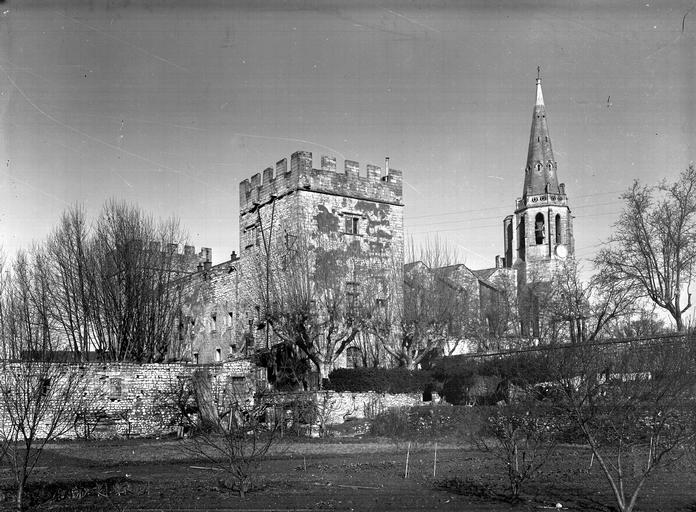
<point x="436" y="422"/>
<point x="520" y="437"/>
<point x="381" y="380"/>
<point x="473" y="380"/>
<point x="455" y="388"/>
<point x="392" y="423"/>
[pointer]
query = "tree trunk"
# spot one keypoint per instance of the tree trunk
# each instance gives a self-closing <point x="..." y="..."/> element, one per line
<point x="322" y="370"/>
<point x="20" y="496"/>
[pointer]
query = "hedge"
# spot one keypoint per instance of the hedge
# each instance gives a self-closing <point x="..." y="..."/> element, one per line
<point x="381" y="380"/>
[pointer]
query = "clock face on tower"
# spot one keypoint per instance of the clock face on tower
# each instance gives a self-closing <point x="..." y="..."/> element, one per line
<point x="561" y="251"/>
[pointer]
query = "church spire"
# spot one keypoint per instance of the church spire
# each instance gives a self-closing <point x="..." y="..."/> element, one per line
<point x="540" y="171"/>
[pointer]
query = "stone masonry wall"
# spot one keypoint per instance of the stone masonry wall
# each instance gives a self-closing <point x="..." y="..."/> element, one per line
<point x="334" y="407"/>
<point x="126" y="399"/>
<point x="210" y="330"/>
<point x="339" y="407"/>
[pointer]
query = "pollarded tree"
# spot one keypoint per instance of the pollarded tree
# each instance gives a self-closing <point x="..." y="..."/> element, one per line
<point x="436" y="314"/>
<point x="311" y="298"/>
<point x="653" y="245"/>
<point x="434" y="311"/>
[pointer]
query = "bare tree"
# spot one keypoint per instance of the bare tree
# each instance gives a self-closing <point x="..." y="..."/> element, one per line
<point x="431" y="311"/>
<point x="238" y="439"/>
<point x="652" y="245"/>
<point x="644" y="322"/>
<point x="113" y="288"/>
<point x="521" y="438"/>
<point x="70" y="271"/>
<point x="436" y="313"/>
<point x="500" y="309"/>
<point x="135" y="295"/>
<point x="39" y="396"/>
<point x="634" y="407"/>
<point x="587" y="309"/>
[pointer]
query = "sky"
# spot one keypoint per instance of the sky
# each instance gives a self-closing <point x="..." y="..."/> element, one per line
<point x="170" y="104"/>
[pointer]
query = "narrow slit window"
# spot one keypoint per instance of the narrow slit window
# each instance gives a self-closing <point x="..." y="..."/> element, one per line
<point x="559" y="234"/>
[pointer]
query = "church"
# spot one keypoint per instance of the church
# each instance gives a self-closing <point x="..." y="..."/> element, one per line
<point x="539" y="235"/>
<point x="348" y="225"/>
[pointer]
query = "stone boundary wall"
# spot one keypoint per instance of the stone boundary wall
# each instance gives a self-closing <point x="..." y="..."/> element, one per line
<point x="335" y="407"/>
<point x="128" y="399"/>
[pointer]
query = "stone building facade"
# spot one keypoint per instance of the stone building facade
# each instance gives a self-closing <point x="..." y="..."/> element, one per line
<point x="208" y="330"/>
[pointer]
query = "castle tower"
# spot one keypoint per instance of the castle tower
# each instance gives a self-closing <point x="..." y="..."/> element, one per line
<point x="340" y="225"/>
<point x="540" y="234"/>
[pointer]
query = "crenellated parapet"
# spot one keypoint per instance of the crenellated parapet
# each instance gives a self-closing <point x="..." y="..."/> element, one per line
<point x="186" y="256"/>
<point x="276" y="182"/>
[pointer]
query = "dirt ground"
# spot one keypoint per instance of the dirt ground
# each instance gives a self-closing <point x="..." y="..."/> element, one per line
<point x="355" y="474"/>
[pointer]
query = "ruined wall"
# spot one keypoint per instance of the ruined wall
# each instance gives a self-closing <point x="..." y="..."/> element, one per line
<point x="126" y="399"/>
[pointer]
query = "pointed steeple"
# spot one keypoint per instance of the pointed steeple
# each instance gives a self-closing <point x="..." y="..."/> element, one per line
<point x="540" y="171"/>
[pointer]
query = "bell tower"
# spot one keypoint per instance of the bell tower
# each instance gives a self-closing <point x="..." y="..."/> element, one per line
<point x="540" y="234"/>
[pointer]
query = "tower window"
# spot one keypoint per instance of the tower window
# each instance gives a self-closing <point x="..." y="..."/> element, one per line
<point x="253" y="236"/>
<point x="559" y="237"/>
<point x="539" y="228"/>
<point x="351" y="225"/>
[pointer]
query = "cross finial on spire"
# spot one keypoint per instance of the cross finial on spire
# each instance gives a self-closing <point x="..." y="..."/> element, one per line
<point x="538" y="74"/>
